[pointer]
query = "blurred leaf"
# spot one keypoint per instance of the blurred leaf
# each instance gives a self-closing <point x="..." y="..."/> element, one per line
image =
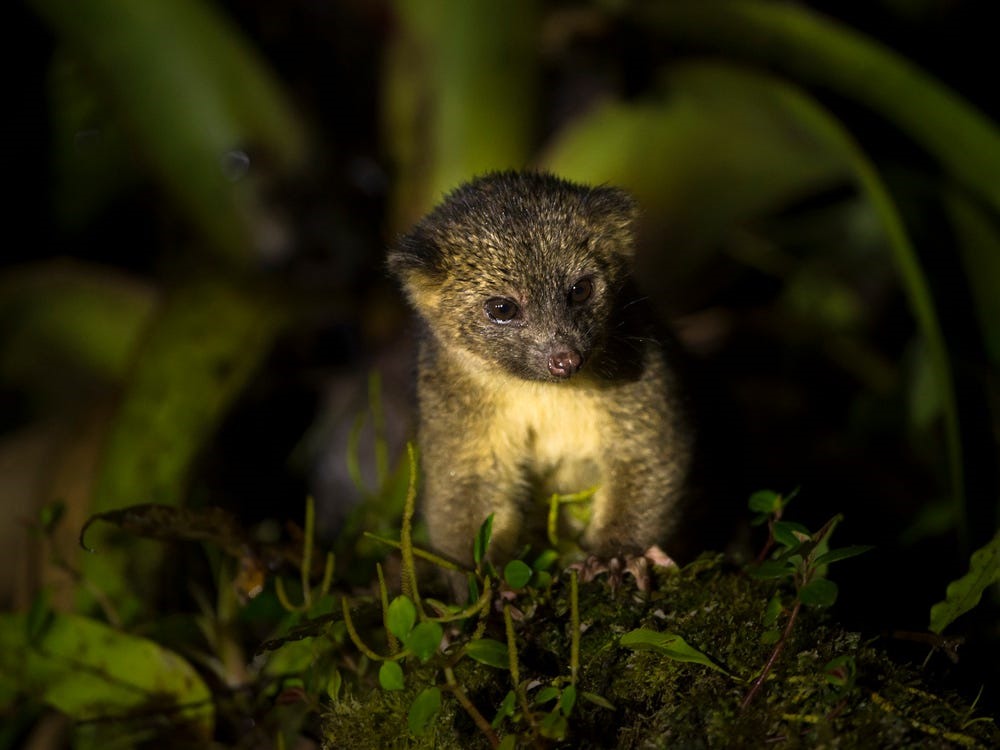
<point x="63" y="314"/>
<point x="88" y="670"/>
<point x="489" y="651"/>
<point x="785" y="533"/>
<point x="979" y="248"/>
<point x="459" y="93"/>
<point x="546" y="694"/>
<point x="598" y="700"/>
<point x="964" y="593"/>
<point x="667" y="644"/>
<point x="188" y="91"/>
<point x="196" y="355"/>
<point x="390" y="676"/>
<point x="816" y="49"/>
<point x="818" y="593"/>
<point x="765" y="501"/>
<point x="720" y="146"/>
<point x="567" y="700"/>
<point x="423" y="709"/>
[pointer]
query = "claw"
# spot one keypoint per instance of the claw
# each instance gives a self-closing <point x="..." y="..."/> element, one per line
<point x="616" y="567"/>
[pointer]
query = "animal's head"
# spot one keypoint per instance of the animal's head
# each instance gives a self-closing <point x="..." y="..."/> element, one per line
<point x="521" y="270"/>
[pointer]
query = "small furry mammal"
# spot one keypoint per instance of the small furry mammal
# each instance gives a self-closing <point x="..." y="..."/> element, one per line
<point x="541" y="369"/>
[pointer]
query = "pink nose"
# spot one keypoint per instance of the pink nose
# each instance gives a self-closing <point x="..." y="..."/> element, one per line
<point x="563" y="364"/>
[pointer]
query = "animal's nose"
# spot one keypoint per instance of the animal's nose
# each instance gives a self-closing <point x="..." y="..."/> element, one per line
<point x="565" y="363"/>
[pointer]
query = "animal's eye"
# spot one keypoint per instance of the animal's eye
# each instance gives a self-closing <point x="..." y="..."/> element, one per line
<point x="580" y="291"/>
<point x="500" y="309"/>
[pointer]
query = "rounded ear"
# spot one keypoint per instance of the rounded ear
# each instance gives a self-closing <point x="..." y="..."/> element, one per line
<point x="616" y="211"/>
<point x="415" y="254"/>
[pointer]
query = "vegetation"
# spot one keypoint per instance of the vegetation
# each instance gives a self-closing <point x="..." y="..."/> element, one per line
<point x="209" y="186"/>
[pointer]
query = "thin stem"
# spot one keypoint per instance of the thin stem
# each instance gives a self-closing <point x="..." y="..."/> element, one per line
<point x="778" y="648"/>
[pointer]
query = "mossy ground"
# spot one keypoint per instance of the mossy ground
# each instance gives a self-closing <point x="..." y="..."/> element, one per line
<point x="659" y="702"/>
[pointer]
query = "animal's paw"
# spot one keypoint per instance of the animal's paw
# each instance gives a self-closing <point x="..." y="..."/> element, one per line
<point x="638" y="566"/>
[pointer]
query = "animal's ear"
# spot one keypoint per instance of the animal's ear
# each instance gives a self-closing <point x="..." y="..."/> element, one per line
<point x="616" y="212"/>
<point x="416" y="262"/>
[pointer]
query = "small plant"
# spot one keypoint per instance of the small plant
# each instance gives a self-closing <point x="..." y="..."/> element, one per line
<point x="799" y="556"/>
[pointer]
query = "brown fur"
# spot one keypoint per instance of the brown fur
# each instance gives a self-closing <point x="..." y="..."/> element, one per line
<point x="501" y="426"/>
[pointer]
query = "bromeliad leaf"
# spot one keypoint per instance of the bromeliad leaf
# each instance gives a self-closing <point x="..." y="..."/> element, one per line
<point x="668" y="644"/>
<point x="964" y="593"/>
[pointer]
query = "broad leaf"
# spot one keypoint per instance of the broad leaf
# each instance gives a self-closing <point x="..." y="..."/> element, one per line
<point x="489" y="651"/>
<point x="423" y="709"/>
<point x="964" y="594"/>
<point x="668" y="644"/>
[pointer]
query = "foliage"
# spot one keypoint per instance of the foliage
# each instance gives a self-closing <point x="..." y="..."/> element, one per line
<point x="964" y="594"/>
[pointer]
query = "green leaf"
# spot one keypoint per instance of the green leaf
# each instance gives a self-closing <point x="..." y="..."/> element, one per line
<point x="598" y="700"/>
<point x="567" y="700"/>
<point x="546" y="694"/>
<point x="770" y="637"/>
<point x="424" y="639"/>
<point x="765" y="501"/>
<point x="482" y="542"/>
<point x="840" y="671"/>
<point x="842" y="553"/>
<point x="517" y="574"/>
<point x="456" y="103"/>
<point x="400" y="617"/>
<point x="88" y="670"/>
<point x="490" y="652"/>
<point x="668" y="644"/>
<point x="423" y="709"/>
<point x="964" y="593"/>
<point x="786" y="533"/>
<point x="771" y="569"/>
<point x="506" y="709"/>
<point x="814" y="48"/>
<point x="554" y="725"/>
<point x="390" y="676"/>
<point x="773" y="610"/>
<point x="179" y="389"/>
<point x="545" y="560"/>
<point x="819" y="593"/>
<point x="508" y="743"/>
<point x="333" y="684"/>
<point x="184" y="120"/>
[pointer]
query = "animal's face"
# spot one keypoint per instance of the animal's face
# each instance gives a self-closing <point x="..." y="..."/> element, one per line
<point x="521" y="270"/>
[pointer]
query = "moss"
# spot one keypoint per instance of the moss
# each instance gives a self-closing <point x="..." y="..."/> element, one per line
<point x="659" y="702"/>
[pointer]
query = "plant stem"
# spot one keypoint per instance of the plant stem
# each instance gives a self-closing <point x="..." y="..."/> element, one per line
<point x="778" y="648"/>
<point x="470" y="709"/>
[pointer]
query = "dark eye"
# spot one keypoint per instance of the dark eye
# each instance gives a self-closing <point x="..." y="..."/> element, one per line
<point x="580" y="292"/>
<point x="500" y="309"/>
